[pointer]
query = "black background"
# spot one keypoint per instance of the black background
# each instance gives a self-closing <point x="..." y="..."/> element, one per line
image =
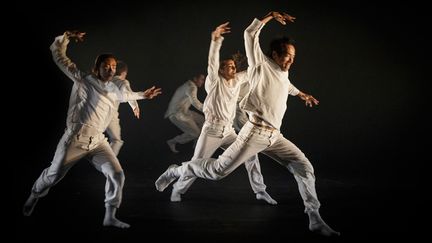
<point x="365" y="62"/>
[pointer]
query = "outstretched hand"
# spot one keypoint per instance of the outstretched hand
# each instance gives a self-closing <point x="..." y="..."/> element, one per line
<point x="152" y="92"/>
<point x="283" y="17"/>
<point x="309" y="99"/>
<point x="76" y="35"/>
<point x="220" y="30"/>
<point x="136" y="112"/>
<point x="280" y="17"/>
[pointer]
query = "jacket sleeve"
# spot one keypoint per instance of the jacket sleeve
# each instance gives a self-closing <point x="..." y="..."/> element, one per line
<point x="213" y="63"/>
<point x="58" y="50"/>
<point x="254" y="54"/>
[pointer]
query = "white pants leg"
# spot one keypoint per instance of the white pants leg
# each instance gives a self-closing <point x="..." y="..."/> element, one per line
<point x="105" y="161"/>
<point x="252" y="165"/>
<point x="114" y="134"/>
<point x="291" y="157"/>
<point x="211" y="138"/>
<point x="247" y="144"/>
<point x="190" y="124"/>
<point x="255" y="176"/>
<point x="251" y="140"/>
<point x="73" y="147"/>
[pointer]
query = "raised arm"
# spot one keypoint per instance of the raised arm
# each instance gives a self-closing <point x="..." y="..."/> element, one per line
<point x="254" y="53"/>
<point x="58" y="50"/>
<point x="213" y="57"/>
<point x="282" y="17"/>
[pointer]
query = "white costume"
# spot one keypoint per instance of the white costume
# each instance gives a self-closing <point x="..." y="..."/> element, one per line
<point x="266" y="104"/>
<point x="92" y="105"/>
<point x="190" y="122"/>
<point x="114" y="130"/>
<point x="219" y="109"/>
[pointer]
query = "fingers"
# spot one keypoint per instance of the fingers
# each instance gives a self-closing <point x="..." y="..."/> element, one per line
<point x="279" y="18"/>
<point x="223" y="28"/>
<point x="224" y="24"/>
<point x="311" y="101"/>
<point x="76" y="35"/>
<point x="152" y="92"/>
<point x="283" y="18"/>
<point x="136" y="112"/>
<point x="308" y="103"/>
<point x="157" y="91"/>
<point x="80" y="36"/>
<point x="288" y="17"/>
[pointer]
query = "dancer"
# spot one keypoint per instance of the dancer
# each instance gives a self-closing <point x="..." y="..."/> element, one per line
<point x="91" y="106"/>
<point x="190" y="122"/>
<point x="266" y="105"/>
<point x="223" y="86"/>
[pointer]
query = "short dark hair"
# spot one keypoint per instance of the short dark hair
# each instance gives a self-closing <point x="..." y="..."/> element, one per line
<point x="100" y="59"/>
<point x="121" y="67"/>
<point x="223" y="62"/>
<point x="279" y="45"/>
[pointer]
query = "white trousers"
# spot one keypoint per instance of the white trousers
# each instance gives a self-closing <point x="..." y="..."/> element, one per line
<point x="190" y="123"/>
<point x="74" y="146"/>
<point x="250" y="141"/>
<point x="114" y="134"/>
<point x="212" y="137"/>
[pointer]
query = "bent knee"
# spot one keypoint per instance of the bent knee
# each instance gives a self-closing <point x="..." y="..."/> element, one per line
<point x="117" y="141"/>
<point x="118" y="176"/>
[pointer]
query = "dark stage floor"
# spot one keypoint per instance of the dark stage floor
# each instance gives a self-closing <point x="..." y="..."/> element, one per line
<point x="360" y="206"/>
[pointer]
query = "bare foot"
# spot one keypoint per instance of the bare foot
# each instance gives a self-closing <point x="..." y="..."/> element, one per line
<point x="171" y="145"/>
<point x="323" y="229"/>
<point x="29" y="205"/>
<point x="317" y="225"/>
<point x="166" y="178"/>
<point x="266" y="197"/>
<point x="112" y="221"/>
<point x="175" y="196"/>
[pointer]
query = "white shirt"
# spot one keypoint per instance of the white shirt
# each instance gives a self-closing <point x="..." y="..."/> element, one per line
<point x="183" y="98"/>
<point x="92" y="102"/>
<point x="222" y="95"/>
<point x="124" y="85"/>
<point x="270" y="86"/>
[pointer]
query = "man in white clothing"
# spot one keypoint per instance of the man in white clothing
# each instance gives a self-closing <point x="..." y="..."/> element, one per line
<point x="222" y="86"/>
<point x="114" y="130"/>
<point x="91" y="106"/>
<point x="178" y="112"/>
<point x="266" y="104"/>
